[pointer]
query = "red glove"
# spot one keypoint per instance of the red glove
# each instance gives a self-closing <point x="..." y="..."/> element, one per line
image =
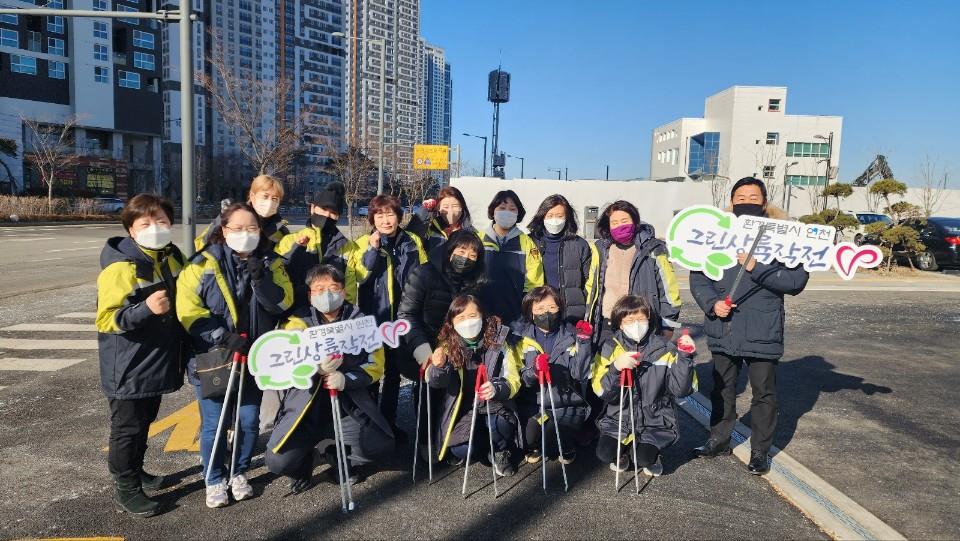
<point x="685" y="343"/>
<point x="584" y="330"/>
<point x="430" y="204"/>
<point x="543" y="363"/>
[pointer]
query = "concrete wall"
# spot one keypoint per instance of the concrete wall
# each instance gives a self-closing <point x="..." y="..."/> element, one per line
<point x="657" y="201"/>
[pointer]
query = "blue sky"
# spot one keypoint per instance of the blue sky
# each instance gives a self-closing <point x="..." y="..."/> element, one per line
<point x="592" y="78"/>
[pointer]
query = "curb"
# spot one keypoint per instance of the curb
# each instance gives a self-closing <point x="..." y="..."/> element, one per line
<point x="830" y="509"/>
<point x="75" y="222"/>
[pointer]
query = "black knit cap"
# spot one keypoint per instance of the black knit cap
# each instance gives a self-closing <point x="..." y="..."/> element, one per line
<point x="330" y="197"/>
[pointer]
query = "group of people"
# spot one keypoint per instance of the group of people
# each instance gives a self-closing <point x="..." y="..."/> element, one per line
<point x="493" y="300"/>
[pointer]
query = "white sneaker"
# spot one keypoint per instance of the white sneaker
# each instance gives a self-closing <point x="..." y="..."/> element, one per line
<point x="654" y="470"/>
<point x="217" y="495"/>
<point x="240" y="487"/>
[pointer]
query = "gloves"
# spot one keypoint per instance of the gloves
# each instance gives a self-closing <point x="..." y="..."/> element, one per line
<point x="255" y="268"/>
<point x="543" y="363"/>
<point x="626" y="361"/>
<point x="330" y="364"/>
<point x="422" y="353"/>
<point x="335" y="380"/>
<point x="685" y="343"/>
<point x="584" y="330"/>
<point x="234" y="342"/>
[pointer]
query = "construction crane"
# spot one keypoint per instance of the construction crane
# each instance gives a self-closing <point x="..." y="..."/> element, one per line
<point x="878" y="169"/>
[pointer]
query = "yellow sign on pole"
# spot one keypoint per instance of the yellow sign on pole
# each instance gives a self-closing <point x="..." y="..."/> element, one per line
<point x="431" y="156"/>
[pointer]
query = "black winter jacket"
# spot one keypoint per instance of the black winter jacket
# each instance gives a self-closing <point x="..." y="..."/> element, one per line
<point x="576" y="275"/>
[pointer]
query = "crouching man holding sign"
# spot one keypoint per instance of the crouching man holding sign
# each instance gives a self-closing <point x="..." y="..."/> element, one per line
<point x="744" y="325"/>
<point x="345" y="354"/>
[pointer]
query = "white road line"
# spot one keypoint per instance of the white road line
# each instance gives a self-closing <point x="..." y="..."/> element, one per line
<point x="37" y="365"/>
<point x="19" y="343"/>
<point x="28" y="239"/>
<point x="73" y="249"/>
<point x="90" y="315"/>
<point x="42" y="260"/>
<point x="50" y="327"/>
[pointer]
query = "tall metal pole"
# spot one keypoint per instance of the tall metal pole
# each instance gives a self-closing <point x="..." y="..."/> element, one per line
<point x="608" y="173"/>
<point x="484" y="156"/>
<point x="521" y="167"/>
<point x="188" y="185"/>
<point x="383" y="106"/>
<point x="829" y="154"/>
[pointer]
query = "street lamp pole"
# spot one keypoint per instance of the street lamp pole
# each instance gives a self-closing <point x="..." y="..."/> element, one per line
<point x="557" y="169"/>
<point x="829" y="140"/>
<point x="521" y="163"/>
<point x="788" y="186"/>
<point x="484" y="150"/>
<point x="383" y="97"/>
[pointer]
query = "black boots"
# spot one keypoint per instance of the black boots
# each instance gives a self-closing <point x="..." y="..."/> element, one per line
<point x="711" y="449"/>
<point x="759" y="464"/>
<point x="151" y="482"/>
<point x="129" y="497"/>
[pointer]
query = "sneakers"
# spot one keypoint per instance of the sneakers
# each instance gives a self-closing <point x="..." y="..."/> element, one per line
<point x="759" y="464"/>
<point x="217" y="495"/>
<point x="240" y="487"/>
<point x="654" y="470"/>
<point x="712" y="448"/>
<point x="533" y="457"/>
<point x="502" y="464"/>
<point x="567" y="458"/>
<point x="624" y="464"/>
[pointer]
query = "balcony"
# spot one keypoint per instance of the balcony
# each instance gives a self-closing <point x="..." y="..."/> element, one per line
<point x="120" y="58"/>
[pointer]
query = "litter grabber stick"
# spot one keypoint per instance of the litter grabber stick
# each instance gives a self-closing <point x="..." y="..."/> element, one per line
<point x="626" y="380"/>
<point x="481" y="379"/>
<point x="223" y="413"/>
<point x="235" y="448"/>
<point x="424" y="394"/>
<point x="543" y="373"/>
<point x="543" y="425"/>
<point x="343" y="465"/>
<point x="736" y="281"/>
<point x="633" y="431"/>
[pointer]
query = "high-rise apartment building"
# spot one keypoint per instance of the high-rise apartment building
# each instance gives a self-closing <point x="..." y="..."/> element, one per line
<point x="438" y="96"/>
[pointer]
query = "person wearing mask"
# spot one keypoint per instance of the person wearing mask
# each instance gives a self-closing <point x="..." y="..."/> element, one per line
<point x="468" y="339"/>
<point x="544" y="331"/>
<point x="633" y="262"/>
<point x="382" y="263"/>
<point x="235" y="291"/>
<point x="319" y="242"/>
<point x="662" y="371"/>
<point x="747" y="331"/>
<point x="570" y="263"/>
<point x="265" y="195"/>
<point x="305" y="418"/>
<point x="140" y="341"/>
<point x="514" y="265"/>
<point x="439" y="218"/>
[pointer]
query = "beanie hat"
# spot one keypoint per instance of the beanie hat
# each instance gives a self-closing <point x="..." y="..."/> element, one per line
<point x="330" y="197"/>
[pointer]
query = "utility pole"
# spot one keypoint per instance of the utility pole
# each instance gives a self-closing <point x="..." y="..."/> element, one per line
<point x="565" y="171"/>
<point x="608" y="173"/>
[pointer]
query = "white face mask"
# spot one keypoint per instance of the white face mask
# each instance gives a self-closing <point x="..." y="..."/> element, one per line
<point x="554" y="225"/>
<point x="636" y="330"/>
<point x="505" y="219"/>
<point x="266" y="207"/>
<point x="327" y="302"/>
<point x="242" y="242"/>
<point x="469" y="328"/>
<point x="154" y="237"/>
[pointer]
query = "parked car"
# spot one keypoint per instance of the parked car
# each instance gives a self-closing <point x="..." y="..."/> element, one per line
<point x="941" y="236"/>
<point x="856" y="234"/>
<point x="108" y="205"/>
<point x="363" y="211"/>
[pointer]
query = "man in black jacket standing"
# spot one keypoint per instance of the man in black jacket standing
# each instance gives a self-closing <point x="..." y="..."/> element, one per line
<point x="747" y="331"/>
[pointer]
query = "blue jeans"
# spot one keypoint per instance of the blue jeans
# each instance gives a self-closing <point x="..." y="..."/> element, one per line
<point x="245" y="441"/>
<point x="504" y="432"/>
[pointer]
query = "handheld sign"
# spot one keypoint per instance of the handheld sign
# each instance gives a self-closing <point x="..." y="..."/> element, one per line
<point x="707" y="239"/>
<point x="283" y="359"/>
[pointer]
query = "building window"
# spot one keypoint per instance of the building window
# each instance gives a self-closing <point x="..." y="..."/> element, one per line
<point x="808" y="150"/>
<point x="9" y="19"/>
<point x="142" y="39"/>
<point x="805" y="180"/>
<point x="143" y="60"/>
<point x="55" y="46"/>
<point x="56" y="70"/>
<point x="704" y="154"/>
<point x="100" y="52"/>
<point x="773" y="105"/>
<point x="100" y="30"/>
<point x="55" y="25"/>
<point x="23" y="64"/>
<point x="134" y="22"/>
<point x="769" y="171"/>
<point x="9" y="38"/>
<point x="128" y="79"/>
<point x="101" y="5"/>
<point x="101" y="74"/>
<point x="773" y="138"/>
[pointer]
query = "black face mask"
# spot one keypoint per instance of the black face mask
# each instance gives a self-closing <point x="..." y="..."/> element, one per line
<point x="748" y="209"/>
<point x="547" y="320"/>
<point x="461" y="264"/>
<point x="318" y="221"/>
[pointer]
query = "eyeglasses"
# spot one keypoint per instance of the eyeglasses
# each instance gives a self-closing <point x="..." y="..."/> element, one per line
<point x="239" y="228"/>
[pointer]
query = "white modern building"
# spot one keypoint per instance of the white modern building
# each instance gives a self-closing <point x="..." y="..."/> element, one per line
<point x="745" y="131"/>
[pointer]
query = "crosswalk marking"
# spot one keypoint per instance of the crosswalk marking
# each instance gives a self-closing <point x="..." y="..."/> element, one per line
<point x="89" y="315"/>
<point x="18" y="343"/>
<point x="73" y="249"/>
<point x="50" y="327"/>
<point x="36" y="365"/>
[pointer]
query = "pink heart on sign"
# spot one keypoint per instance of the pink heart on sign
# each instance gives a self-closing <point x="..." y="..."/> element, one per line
<point x="391" y="331"/>
<point x="848" y="257"/>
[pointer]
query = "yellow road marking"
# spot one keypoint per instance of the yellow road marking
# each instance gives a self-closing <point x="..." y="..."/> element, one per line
<point x="185" y="423"/>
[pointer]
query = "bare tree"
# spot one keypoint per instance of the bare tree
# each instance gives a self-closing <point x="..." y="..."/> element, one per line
<point x="355" y="170"/>
<point x="769" y="160"/>
<point x="817" y="198"/>
<point x="254" y="108"/>
<point x="8" y="148"/>
<point x="933" y="190"/>
<point x="51" y="150"/>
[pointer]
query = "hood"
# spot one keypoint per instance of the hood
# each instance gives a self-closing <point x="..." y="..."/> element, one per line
<point x="773" y="212"/>
<point x="492" y="235"/>
<point x="526" y="329"/>
<point x="654" y="347"/>
<point x="126" y="249"/>
<point x="348" y="311"/>
<point x="644" y="233"/>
